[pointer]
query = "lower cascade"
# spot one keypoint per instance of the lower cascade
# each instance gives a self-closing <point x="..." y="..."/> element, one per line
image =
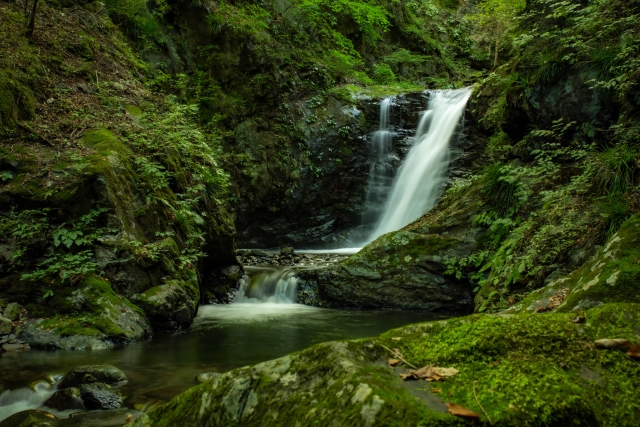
<point x="271" y="286"/>
<point x="420" y="179"/>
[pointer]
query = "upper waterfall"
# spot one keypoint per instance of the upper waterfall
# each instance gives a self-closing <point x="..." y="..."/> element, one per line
<point x="420" y="179"/>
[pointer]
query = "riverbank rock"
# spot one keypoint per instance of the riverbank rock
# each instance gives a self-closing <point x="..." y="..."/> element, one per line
<point x="525" y="370"/>
<point x="6" y="326"/>
<point x="12" y="311"/>
<point x="405" y="269"/>
<point x="107" y="374"/>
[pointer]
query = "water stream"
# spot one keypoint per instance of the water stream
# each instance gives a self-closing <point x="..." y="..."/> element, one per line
<point x="420" y="180"/>
<point x="261" y="325"/>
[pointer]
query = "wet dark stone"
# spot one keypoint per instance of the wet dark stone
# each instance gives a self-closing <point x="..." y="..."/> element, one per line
<point x="69" y="398"/>
<point x="100" y="396"/>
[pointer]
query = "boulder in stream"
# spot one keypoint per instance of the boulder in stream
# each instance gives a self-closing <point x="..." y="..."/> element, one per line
<point x="107" y="374"/>
<point x="69" y="398"/>
<point x="100" y="396"/>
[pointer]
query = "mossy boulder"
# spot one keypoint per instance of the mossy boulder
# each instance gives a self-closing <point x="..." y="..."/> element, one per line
<point x="611" y="275"/>
<point x="79" y="375"/>
<point x="405" y="269"/>
<point x="525" y="370"/>
<point x="172" y="305"/>
<point x="107" y="319"/>
<point x="16" y="101"/>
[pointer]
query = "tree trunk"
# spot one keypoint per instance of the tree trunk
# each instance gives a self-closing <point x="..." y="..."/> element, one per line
<point x="32" y="20"/>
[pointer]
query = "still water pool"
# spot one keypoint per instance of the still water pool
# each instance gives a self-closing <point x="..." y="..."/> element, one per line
<point x="223" y="337"/>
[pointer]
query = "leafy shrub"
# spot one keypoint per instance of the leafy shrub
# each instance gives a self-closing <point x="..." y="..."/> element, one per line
<point x="382" y="74"/>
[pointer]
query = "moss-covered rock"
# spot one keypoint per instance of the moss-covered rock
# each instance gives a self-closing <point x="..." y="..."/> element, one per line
<point x="92" y="316"/>
<point x="526" y="370"/>
<point x="405" y="269"/>
<point x="611" y="275"/>
<point x="172" y="305"/>
<point x="16" y="101"/>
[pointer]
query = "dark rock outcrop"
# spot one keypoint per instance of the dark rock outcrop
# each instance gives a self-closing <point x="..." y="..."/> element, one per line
<point x="405" y="269"/>
<point x="326" y="201"/>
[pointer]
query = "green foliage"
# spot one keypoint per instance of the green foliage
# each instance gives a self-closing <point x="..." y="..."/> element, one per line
<point x="382" y="74"/>
<point x="77" y="233"/>
<point x="140" y="21"/>
<point x="503" y="189"/>
<point x="617" y="171"/>
<point x="492" y="21"/>
<point x="70" y="265"/>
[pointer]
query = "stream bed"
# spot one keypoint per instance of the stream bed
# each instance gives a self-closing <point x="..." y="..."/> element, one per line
<point x="223" y="337"/>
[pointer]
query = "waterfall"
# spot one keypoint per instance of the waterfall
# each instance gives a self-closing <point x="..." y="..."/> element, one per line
<point x="274" y="286"/>
<point x="381" y="171"/>
<point x="421" y="177"/>
<point x="22" y="399"/>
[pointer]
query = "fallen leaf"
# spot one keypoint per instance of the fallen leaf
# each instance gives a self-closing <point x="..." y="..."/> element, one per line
<point x="512" y="407"/>
<point x="446" y="372"/>
<point x="429" y="373"/>
<point x="579" y="319"/>
<point x="49" y="416"/>
<point x="393" y="362"/>
<point x="462" y="412"/>
<point x="128" y="420"/>
<point x="634" y="352"/>
<point x="436" y="390"/>
<point x="396" y="338"/>
<point x="612" y="343"/>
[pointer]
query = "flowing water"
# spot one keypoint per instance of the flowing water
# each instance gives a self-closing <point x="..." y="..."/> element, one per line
<point x="420" y="179"/>
<point x="381" y="170"/>
<point x="262" y="324"/>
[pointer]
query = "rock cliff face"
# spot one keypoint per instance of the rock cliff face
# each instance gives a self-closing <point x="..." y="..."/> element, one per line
<point x="325" y="203"/>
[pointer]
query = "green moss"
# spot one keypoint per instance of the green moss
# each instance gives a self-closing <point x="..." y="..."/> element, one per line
<point x="526" y="370"/>
<point x="16" y="101"/>
<point x="104" y="142"/>
<point x="611" y="275"/>
<point x="91" y="310"/>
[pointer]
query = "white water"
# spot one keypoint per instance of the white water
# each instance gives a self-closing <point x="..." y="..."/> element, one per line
<point x="272" y="286"/>
<point x="420" y="179"/>
<point x="381" y="171"/>
<point x="22" y="399"/>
